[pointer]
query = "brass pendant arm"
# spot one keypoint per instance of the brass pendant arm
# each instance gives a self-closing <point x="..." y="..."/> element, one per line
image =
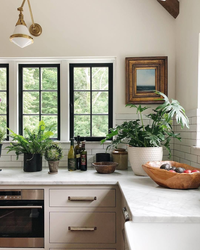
<point x="23" y="4"/>
<point x="29" y="5"/>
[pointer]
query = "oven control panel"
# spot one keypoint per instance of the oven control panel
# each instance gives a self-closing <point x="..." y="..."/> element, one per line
<point x="10" y="197"/>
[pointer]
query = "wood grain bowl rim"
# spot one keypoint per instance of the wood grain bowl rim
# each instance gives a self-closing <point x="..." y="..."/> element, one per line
<point x="170" y="179"/>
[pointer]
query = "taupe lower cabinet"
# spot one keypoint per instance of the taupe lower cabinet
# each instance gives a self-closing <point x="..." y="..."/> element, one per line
<point x="85" y="217"/>
<point x="81" y="217"/>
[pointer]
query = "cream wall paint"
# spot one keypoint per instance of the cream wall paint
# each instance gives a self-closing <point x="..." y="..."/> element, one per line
<point x="187" y="46"/>
<point x="119" y="28"/>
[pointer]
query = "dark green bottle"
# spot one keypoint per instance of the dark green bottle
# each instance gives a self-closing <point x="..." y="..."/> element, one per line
<point x="71" y="157"/>
<point x="77" y="151"/>
<point x="83" y="157"/>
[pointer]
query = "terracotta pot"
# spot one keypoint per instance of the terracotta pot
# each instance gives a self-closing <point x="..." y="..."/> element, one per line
<point x="140" y="155"/>
<point x="53" y="167"/>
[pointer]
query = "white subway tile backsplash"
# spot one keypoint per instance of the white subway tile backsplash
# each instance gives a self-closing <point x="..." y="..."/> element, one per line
<point x="191" y="157"/>
<point x="182" y="151"/>
<point x="179" y="154"/>
<point x="186" y="149"/>
<point x="195" y="165"/>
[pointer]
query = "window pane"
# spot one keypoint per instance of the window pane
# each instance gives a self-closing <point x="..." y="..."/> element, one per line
<point x="49" y="103"/>
<point x="81" y="78"/>
<point x="30" y="102"/>
<point x="99" y="125"/>
<point x="30" y="122"/>
<point x="3" y="78"/>
<point x="3" y="121"/>
<point x="49" y="120"/>
<point x="49" y="78"/>
<point x="100" y="78"/>
<point x="3" y="103"/>
<point x="30" y="78"/>
<point x="100" y="102"/>
<point x="82" y="125"/>
<point x="81" y="102"/>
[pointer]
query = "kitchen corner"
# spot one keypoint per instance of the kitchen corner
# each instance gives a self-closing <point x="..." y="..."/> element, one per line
<point x="150" y="205"/>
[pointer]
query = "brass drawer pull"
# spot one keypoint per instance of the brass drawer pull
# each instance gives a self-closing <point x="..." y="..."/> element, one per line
<point x="126" y="214"/>
<point x="81" y="198"/>
<point x="82" y="229"/>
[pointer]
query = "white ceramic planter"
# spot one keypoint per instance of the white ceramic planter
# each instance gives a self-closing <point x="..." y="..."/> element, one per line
<point x="140" y="155"/>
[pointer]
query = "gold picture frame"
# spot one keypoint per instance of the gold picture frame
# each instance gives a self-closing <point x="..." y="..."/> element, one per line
<point x="144" y="75"/>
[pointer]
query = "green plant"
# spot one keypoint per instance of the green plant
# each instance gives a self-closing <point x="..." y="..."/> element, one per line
<point x="159" y="133"/>
<point x="2" y="134"/>
<point x="53" y="152"/>
<point x="35" y="142"/>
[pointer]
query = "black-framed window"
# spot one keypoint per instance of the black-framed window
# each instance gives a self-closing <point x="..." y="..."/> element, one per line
<point x="4" y="96"/>
<point x="91" y="100"/>
<point x="39" y="96"/>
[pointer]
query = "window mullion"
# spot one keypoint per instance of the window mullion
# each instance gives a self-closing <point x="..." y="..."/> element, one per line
<point x="90" y="101"/>
<point x="40" y="95"/>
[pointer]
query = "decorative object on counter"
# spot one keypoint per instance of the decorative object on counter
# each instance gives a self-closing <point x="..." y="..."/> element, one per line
<point x="105" y="167"/>
<point x="2" y="137"/>
<point x="71" y="157"/>
<point x="157" y="133"/>
<point x="77" y="151"/>
<point x="144" y="75"/>
<point x="102" y="157"/>
<point x="53" y="154"/>
<point x="83" y="157"/>
<point x="35" y="143"/>
<point x="120" y="155"/>
<point x="171" y="179"/>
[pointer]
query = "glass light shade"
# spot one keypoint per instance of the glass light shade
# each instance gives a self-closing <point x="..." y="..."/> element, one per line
<point x="21" y="36"/>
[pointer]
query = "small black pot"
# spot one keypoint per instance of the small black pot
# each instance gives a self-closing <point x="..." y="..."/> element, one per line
<point x="102" y="157"/>
<point x="0" y="149"/>
<point x="32" y="162"/>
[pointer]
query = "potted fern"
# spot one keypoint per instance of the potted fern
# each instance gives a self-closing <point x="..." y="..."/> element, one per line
<point x="2" y="137"/>
<point x="33" y="146"/>
<point x="53" y="154"/>
<point x="146" y="141"/>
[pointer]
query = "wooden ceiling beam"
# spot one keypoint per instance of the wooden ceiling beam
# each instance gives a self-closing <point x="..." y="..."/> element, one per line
<point x="172" y="6"/>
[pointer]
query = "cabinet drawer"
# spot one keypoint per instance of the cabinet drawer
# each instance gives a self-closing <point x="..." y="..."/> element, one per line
<point x="82" y="197"/>
<point x="81" y="249"/>
<point x="82" y="227"/>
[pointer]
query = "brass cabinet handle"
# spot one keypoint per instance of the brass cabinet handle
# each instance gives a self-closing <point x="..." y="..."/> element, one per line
<point x="126" y="214"/>
<point x="81" y="198"/>
<point x="82" y="229"/>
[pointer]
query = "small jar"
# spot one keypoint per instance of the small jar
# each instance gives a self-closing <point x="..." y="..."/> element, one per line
<point x="120" y="155"/>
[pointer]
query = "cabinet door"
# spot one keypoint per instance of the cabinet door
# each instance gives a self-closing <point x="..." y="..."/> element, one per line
<point x="82" y="227"/>
<point x="86" y="197"/>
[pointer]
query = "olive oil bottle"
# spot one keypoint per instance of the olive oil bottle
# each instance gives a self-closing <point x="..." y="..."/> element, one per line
<point x="77" y="151"/>
<point x="83" y="157"/>
<point x="71" y="157"/>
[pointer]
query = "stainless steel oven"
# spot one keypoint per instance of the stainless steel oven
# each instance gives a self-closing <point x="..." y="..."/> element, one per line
<point x="21" y="218"/>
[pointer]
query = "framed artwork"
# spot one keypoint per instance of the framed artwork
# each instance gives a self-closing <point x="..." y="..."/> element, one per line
<point x="144" y="75"/>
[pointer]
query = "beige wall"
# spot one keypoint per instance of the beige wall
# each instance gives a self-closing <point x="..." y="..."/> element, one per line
<point x="119" y="28"/>
<point x="187" y="43"/>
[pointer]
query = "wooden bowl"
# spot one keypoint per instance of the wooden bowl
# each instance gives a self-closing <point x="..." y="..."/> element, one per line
<point x="105" y="167"/>
<point x="168" y="179"/>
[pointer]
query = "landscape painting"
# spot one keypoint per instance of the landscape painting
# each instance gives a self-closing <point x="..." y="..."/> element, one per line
<point x="145" y="76"/>
<point x="145" y="80"/>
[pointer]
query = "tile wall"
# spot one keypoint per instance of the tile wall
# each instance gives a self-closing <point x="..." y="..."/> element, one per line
<point x="183" y="151"/>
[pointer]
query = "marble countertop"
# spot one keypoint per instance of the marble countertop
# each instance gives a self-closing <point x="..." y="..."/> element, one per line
<point x="146" y="200"/>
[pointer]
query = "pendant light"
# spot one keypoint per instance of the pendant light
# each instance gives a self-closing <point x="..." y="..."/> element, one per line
<point x="21" y="35"/>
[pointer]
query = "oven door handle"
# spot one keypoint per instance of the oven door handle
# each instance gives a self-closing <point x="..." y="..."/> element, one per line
<point x="20" y="207"/>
